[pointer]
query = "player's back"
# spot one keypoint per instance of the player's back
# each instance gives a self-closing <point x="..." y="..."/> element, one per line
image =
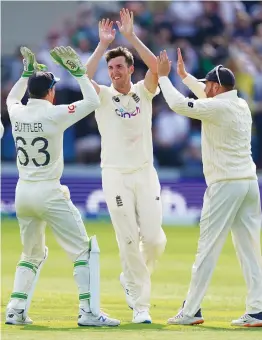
<point x="38" y="127"/>
<point x="226" y="142"/>
<point x="39" y="141"/>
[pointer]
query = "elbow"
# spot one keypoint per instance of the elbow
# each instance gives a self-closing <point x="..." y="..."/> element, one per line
<point x="8" y="98"/>
<point x="8" y="101"/>
<point x="175" y="103"/>
<point x="171" y="103"/>
<point x="95" y="102"/>
<point x="175" y="106"/>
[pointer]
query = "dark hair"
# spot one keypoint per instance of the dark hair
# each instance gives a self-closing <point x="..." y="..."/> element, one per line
<point x="228" y="87"/>
<point x="39" y="95"/>
<point x="40" y="83"/>
<point x="120" y="52"/>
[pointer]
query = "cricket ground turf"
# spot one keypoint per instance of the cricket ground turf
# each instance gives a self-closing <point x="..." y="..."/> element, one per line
<point x="54" y="307"/>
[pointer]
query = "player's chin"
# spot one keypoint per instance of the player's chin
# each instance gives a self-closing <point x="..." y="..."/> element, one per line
<point x="117" y="82"/>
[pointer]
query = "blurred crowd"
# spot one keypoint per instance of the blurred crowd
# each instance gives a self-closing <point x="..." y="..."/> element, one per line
<point x="208" y="33"/>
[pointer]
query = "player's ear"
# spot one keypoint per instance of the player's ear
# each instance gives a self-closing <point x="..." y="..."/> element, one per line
<point x="218" y="88"/>
<point x="131" y="69"/>
<point x="215" y="87"/>
<point x="51" y="92"/>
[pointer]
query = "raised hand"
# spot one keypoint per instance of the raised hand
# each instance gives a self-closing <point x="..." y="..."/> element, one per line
<point x="126" y="26"/>
<point x="69" y="59"/>
<point x="181" y="71"/>
<point x="163" y="64"/>
<point x="30" y="63"/>
<point x="106" y="32"/>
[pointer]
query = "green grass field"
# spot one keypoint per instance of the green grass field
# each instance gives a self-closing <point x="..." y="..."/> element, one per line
<point x="55" y="306"/>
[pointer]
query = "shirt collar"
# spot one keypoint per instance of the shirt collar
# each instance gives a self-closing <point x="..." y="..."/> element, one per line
<point x="116" y="93"/>
<point x="227" y="95"/>
<point x="42" y="102"/>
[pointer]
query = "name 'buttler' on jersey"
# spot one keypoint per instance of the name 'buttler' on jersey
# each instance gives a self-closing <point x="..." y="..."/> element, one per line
<point x="38" y="129"/>
<point x="125" y="126"/>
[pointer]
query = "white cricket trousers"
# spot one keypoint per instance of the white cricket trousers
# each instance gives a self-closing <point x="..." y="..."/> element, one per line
<point x="229" y="205"/>
<point x="38" y="204"/>
<point x="134" y="204"/>
<point x="48" y="202"/>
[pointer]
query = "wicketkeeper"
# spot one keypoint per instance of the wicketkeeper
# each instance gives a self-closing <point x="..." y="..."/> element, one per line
<point x="38" y="129"/>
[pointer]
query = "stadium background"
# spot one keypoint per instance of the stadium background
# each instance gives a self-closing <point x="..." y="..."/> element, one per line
<point x="209" y="33"/>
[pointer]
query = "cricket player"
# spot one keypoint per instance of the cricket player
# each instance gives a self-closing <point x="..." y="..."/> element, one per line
<point x="232" y="198"/>
<point x="40" y="199"/>
<point x="130" y="182"/>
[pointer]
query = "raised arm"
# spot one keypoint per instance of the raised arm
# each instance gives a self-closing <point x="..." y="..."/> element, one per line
<point x="106" y="36"/>
<point x="191" y="82"/>
<point x="18" y="91"/>
<point x="202" y="109"/>
<point x="126" y="28"/>
<point x="67" y="115"/>
<point x="16" y="94"/>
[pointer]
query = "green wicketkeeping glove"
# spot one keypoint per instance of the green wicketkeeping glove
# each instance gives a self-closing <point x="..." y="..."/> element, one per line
<point x="69" y="59"/>
<point x="30" y="63"/>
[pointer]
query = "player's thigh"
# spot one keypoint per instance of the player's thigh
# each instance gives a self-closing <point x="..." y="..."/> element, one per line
<point x="29" y="198"/>
<point x="120" y="201"/>
<point x="149" y="205"/>
<point x="222" y="201"/>
<point x="32" y="232"/>
<point x="66" y="223"/>
<point x="247" y="224"/>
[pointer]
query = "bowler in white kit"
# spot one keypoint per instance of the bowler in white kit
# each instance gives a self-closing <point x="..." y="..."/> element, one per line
<point x="40" y="199"/>
<point x="232" y="198"/>
<point x="129" y="179"/>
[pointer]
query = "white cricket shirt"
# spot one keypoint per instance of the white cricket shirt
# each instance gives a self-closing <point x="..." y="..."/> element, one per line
<point x="125" y="125"/>
<point x="38" y="129"/>
<point x="226" y="131"/>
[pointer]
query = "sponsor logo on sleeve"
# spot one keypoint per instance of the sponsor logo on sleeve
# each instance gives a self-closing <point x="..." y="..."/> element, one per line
<point x="71" y="108"/>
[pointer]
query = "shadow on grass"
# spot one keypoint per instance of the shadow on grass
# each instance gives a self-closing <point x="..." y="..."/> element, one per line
<point x="142" y="327"/>
<point x="131" y="326"/>
<point x="232" y="329"/>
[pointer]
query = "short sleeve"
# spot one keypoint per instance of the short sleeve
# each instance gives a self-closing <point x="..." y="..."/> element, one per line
<point x="145" y="92"/>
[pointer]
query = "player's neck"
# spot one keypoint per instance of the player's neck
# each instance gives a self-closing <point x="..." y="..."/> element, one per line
<point x="49" y="98"/>
<point x="125" y="89"/>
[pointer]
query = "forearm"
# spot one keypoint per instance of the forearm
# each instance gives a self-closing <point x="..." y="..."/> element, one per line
<point x="93" y="61"/>
<point x="17" y="92"/>
<point x="195" y="86"/>
<point x="145" y="54"/>
<point x="80" y="109"/>
<point x="172" y="96"/>
<point x="203" y="109"/>
<point x="89" y="92"/>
